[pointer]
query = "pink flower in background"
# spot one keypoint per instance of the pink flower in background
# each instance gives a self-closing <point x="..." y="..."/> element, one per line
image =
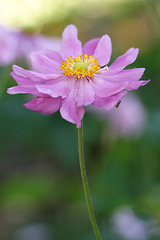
<point x="129" y="119"/>
<point x="77" y="77"/>
<point x="9" y="46"/>
<point x="35" y="42"/>
<point x="126" y="121"/>
<point x="17" y="45"/>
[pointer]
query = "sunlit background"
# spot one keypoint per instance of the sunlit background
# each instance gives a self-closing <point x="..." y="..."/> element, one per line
<point x="41" y="195"/>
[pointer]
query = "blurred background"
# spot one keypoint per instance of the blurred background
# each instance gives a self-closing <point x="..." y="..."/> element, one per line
<point x="41" y="195"/>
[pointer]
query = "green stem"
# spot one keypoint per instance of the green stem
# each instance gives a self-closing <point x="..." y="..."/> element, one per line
<point x="85" y="184"/>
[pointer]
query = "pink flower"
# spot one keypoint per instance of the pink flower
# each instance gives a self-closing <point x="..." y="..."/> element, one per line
<point x="9" y="46"/>
<point x="129" y="120"/>
<point x="35" y="42"/>
<point x="77" y="77"/>
<point x="16" y="44"/>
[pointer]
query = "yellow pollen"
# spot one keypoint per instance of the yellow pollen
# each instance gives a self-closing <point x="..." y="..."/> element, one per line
<point x="80" y="67"/>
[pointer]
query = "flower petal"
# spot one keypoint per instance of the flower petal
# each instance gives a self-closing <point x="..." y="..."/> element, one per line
<point x="133" y="74"/>
<point x="135" y="85"/>
<point x="90" y="46"/>
<point x="34" y="76"/>
<point x="20" y="89"/>
<point x="122" y="61"/>
<point x="43" y="64"/>
<point x="53" y="55"/>
<point x="61" y="87"/>
<point x="25" y="85"/>
<point x="85" y="93"/>
<point x="22" y="80"/>
<point x="108" y="102"/>
<point x="105" y="88"/>
<point x="25" y="73"/>
<point x="70" y="45"/>
<point x="69" y="110"/>
<point x="103" y="50"/>
<point x="46" y="105"/>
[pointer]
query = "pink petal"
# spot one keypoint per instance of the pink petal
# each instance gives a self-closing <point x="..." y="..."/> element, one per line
<point x="108" y="102"/>
<point x="90" y="46"/>
<point x="105" y="88"/>
<point x="25" y="85"/>
<point x="25" y="73"/>
<point x="23" y="80"/>
<point x="122" y="61"/>
<point x="34" y="76"/>
<point x="20" y="89"/>
<point x="43" y="64"/>
<point x="61" y="87"/>
<point x="135" y="85"/>
<point x="69" y="110"/>
<point x="46" y="105"/>
<point x="103" y="50"/>
<point x="53" y="55"/>
<point x="85" y="93"/>
<point x="133" y="74"/>
<point x="71" y="46"/>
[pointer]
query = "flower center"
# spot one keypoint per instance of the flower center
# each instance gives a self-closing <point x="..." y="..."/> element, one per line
<point x="80" y="67"/>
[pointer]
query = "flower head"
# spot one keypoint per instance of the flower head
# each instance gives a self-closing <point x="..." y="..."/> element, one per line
<point x="77" y="76"/>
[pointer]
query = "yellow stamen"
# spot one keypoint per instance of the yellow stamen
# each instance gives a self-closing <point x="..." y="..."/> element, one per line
<point x="80" y="67"/>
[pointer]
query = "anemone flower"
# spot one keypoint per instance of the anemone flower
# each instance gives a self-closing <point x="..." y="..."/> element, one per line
<point x="77" y="76"/>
